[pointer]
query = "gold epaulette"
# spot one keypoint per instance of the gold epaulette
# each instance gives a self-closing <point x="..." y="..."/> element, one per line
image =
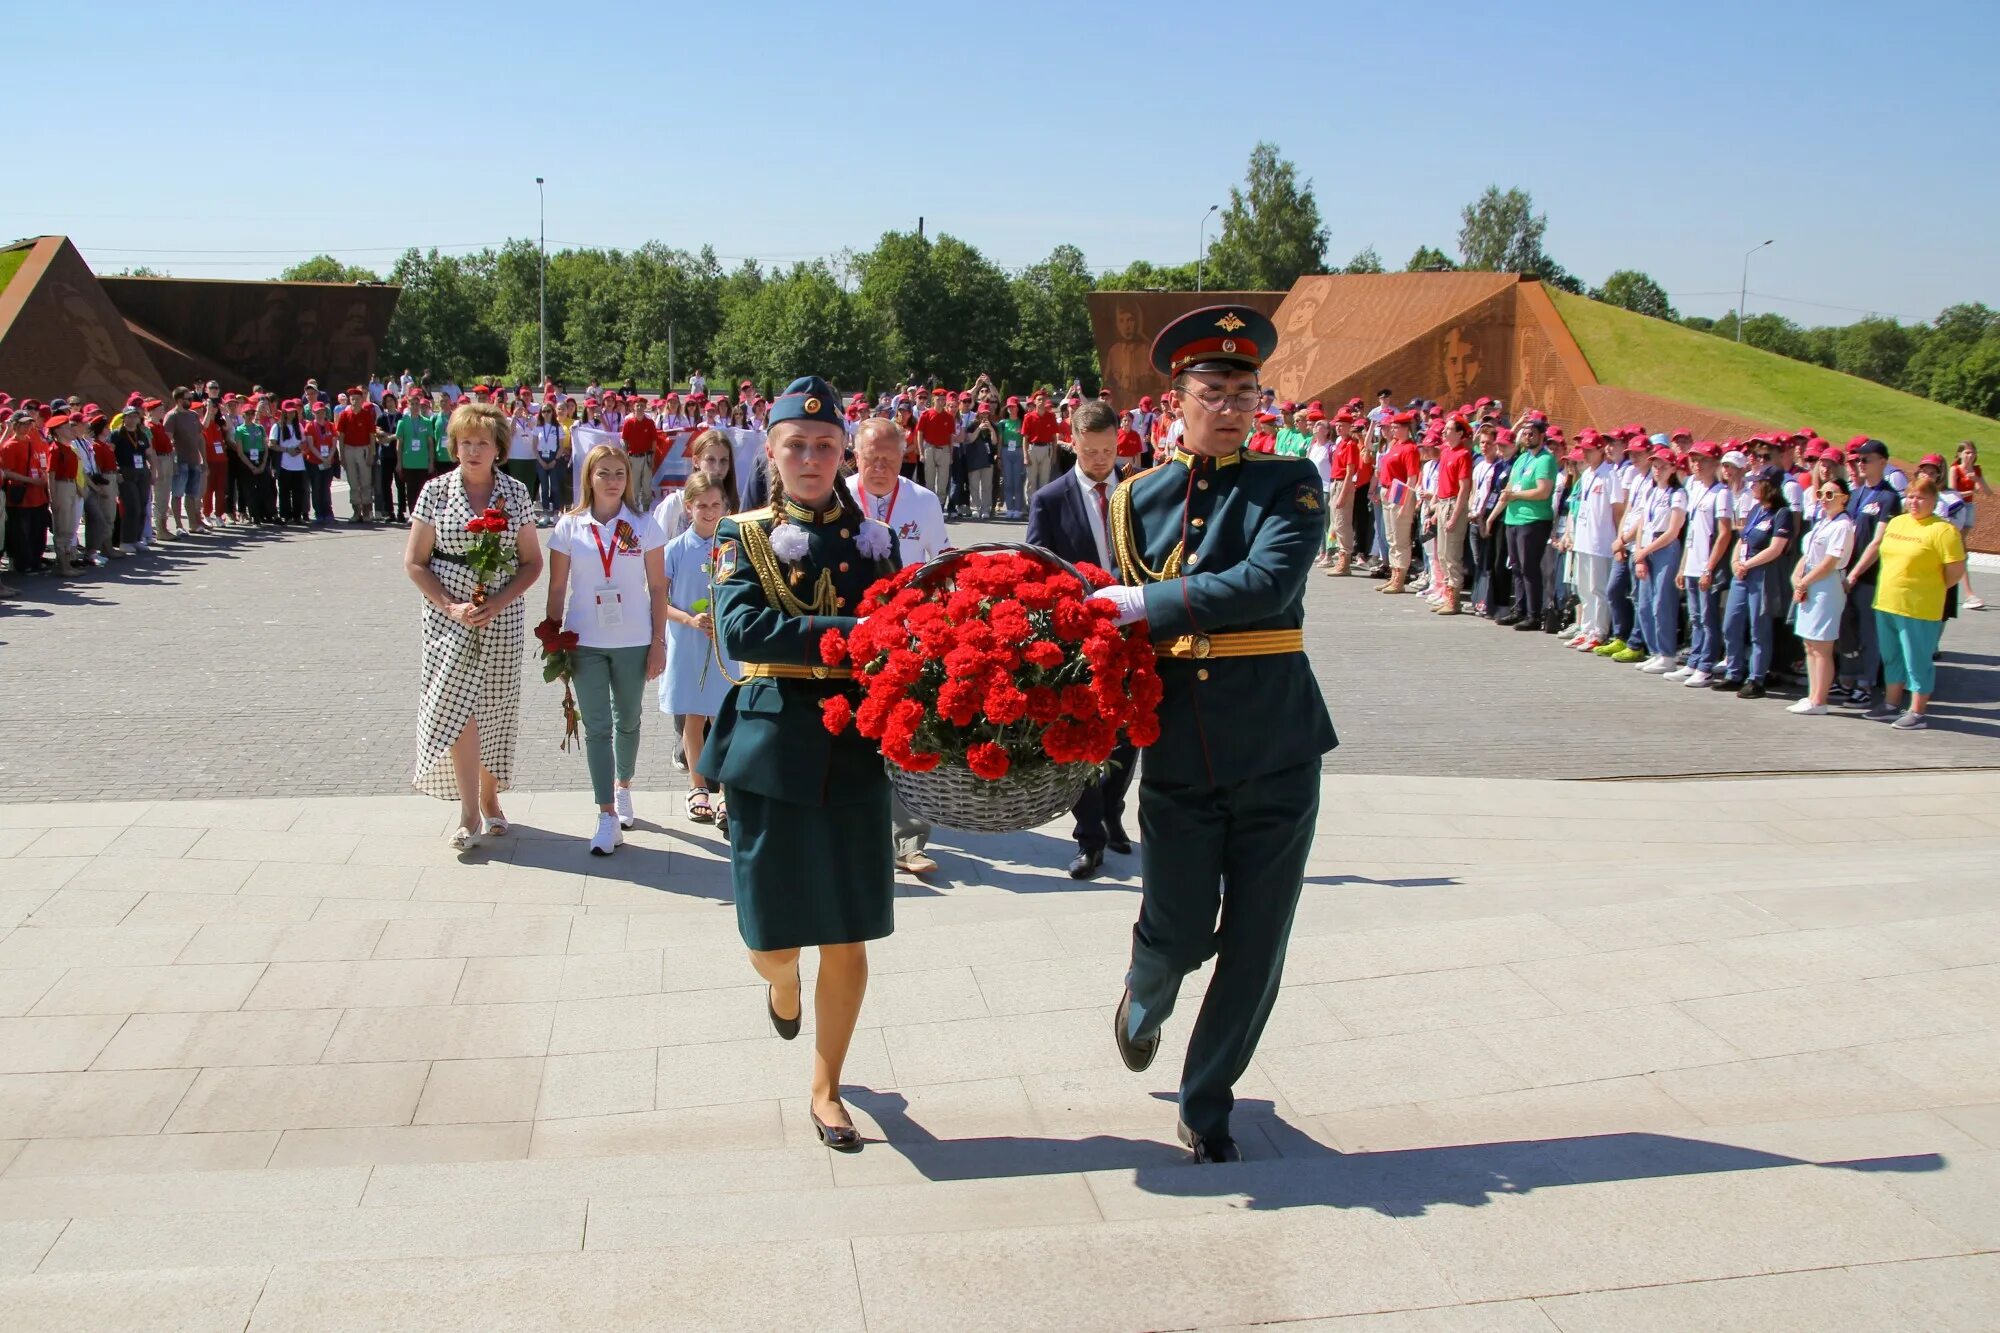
<point x="1125" y="546"/>
<point x="777" y="583"/>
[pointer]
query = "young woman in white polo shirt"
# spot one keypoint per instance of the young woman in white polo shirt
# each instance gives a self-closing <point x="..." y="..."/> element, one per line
<point x="608" y="583"/>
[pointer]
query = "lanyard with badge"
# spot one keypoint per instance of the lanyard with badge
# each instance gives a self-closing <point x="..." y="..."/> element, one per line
<point x="610" y="601"/>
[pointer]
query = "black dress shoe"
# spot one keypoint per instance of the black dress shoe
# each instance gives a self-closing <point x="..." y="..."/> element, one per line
<point x="840" y="1138"/>
<point x="1116" y="841"/>
<point x="1210" y="1150"/>
<point x="1726" y="683"/>
<point x="1086" y="865"/>
<point x="1527" y="626"/>
<point x="1136" y="1054"/>
<point x="787" y="1028"/>
<point x="1752" y="689"/>
<point x="1509" y="619"/>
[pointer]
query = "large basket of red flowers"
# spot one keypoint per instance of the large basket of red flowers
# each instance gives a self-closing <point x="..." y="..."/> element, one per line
<point x="996" y="687"/>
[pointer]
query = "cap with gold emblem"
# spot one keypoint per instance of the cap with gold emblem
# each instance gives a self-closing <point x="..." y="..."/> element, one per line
<point x="808" y="398"/>
<point x="1217" y="337"/>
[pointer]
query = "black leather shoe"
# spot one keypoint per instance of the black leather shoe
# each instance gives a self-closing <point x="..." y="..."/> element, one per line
<point x="840" y="1138"/>
<point x="1116" y="841"/>
<point x="1086" y="864"/>
<point x="1509" y="619"/>
<point x="787" y="1028"/>
<point x="1752" y="689"/>
<point x="1527" y="626"/>
<point x="1726" y="683"/>
<point x="1136" y="1054"/>
<point x="1210" y="1150"/>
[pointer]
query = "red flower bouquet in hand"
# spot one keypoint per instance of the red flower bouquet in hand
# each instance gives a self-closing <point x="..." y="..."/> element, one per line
<point x="491" y="557"/>
<point x="996" y="663"/>
<point x="559" y="663"/>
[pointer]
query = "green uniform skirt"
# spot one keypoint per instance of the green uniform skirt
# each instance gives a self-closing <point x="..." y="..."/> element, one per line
<point x="811" y="874"/>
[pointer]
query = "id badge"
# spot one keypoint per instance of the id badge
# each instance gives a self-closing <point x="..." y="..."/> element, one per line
<point x="610" y="607"/>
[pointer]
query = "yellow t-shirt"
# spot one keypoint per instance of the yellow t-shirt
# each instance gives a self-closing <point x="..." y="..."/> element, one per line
<point x="1912" y="557"/>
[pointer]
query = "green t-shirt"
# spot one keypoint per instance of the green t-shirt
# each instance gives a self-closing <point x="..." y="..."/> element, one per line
<point x="1292" y="443"/>
<point x="413" y="442"/>
<point x="1530" y="470"/>
<point x="252" y="440"/>
<point x="1010" y="433"/>
<point x="440" y="440"/>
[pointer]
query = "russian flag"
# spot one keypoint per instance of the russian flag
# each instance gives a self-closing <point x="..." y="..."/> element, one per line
<point x="1397" y="492"/>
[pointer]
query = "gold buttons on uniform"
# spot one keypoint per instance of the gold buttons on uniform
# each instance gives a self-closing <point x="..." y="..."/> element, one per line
<point x="1201" y="674"/>
<point x="843" y="566"/>
<point x="1198" y="522"/>
<point x="845" y="533"/>
<point x="1201" y="485"/>
<point x="1194" y="559"/>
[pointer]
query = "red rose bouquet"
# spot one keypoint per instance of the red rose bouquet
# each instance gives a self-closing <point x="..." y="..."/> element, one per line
<point x="490" y="556"/>
<point x="559" y="663"/>
<point x="995" y="662"/>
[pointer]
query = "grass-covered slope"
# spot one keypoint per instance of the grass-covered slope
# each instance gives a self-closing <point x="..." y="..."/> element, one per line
<point x="1653" y="356"/>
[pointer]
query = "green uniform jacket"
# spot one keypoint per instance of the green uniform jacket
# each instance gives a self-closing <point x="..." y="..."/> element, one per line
<point x="1253" y="524"/>
<point x="768" y="736"/>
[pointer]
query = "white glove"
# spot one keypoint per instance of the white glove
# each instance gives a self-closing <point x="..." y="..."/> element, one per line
<point x="1130" y="602"/>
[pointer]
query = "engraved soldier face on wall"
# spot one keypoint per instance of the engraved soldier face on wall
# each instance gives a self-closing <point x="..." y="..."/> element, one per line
<point x="1461" y="364"/>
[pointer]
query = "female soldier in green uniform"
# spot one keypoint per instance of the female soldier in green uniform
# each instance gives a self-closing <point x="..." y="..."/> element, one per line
<point x="808" y="811"/>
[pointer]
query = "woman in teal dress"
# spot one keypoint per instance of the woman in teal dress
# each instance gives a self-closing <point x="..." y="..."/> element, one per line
<point x="809" y="845"/>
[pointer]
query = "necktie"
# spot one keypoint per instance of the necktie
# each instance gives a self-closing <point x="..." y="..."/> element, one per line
<point x="1103" y="505"/>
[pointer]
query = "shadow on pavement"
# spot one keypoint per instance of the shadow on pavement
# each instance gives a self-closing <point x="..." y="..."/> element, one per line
<point x="1307" y="1173"/>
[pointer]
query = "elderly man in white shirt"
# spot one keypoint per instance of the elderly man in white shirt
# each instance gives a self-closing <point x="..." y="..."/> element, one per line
<point x="915" y="516"/>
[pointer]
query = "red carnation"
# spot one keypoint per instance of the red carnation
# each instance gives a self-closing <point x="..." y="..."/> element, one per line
<point x="1005" y="704"/>
<point x="1043" y="654"/>
<point x="832" y="648"/>
<point x="1094" y="576"/>
<point x="836" y="712"/>
<point x="1071" y="621"/>
<point x="987" y="760"/>
<point x="1043" y="704"/>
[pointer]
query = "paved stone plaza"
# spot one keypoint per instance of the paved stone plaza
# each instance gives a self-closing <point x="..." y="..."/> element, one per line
<point x="1551" y="1055"/>
<point x="248" y="665"/>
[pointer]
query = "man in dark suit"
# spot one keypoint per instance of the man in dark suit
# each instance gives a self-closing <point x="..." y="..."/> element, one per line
<point x="1071" y="516"/>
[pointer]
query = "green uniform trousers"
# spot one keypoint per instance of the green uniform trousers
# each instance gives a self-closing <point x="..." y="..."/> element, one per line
<point x="610" y="686"/>
<point x="1223" y="868"/>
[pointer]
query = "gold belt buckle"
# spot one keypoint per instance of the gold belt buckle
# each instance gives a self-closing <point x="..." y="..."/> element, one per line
<point x="819" y="673"/>
<point x="1200" y="646"/>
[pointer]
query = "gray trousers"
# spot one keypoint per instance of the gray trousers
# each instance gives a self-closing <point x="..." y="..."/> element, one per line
<point x="911" y="831"/>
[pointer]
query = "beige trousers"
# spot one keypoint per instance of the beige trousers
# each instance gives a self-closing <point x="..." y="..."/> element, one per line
<point x="1451" y="554"/>
<point x="937" y="471"/>
<point x="163" y="490"/>
<point x="358" y="462"/>
<point x="1041" y="467"/>
<point x="1402" y="524"/>
<point x="1343" y="523"/>
<point x="65" y="512"/>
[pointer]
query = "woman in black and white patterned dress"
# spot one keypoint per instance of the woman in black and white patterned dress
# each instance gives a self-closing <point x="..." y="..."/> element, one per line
<point x="470" y="716"/>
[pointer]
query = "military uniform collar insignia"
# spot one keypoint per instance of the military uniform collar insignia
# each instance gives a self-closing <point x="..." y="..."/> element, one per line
<point x="799" y="513"/>
<point x="1203" y="462"/>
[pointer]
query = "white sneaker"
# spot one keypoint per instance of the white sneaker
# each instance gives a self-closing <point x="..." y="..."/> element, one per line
<point x="1657" y="665"/>
<point x="1807" y="708"/>
<point x="1697" y="680"/>
<point x="1972" y="603"/>
<point x="607" y="835"/>
<point x="621" y="801"/>
<point x="1677" y="675"/>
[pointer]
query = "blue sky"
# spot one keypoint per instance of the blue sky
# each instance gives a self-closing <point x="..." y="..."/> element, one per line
<point x="1858" y="136"/>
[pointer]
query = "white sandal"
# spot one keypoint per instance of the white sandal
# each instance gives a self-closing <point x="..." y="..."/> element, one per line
<point x="464" y="839"/>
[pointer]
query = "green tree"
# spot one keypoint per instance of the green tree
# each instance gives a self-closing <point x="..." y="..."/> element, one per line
<point x="1142" y="276"/>
<point x="1956" y="331"/>
<point x="1271" y="231"/>
<point x="948" y="309"/>
<point x="1773" y="333"/>
<point x="1364" y="261"/>
<point x="1052" y="342"/>
<point x="136" y="271"/>
<point x="1632" y="290"/>
<point x="1875" y="349"/>
<point x="799" y="323"/>
<point x="1973" y="381"/>
<point x="1429" y="259"/>
<point x="1502" y="233"/>
<point x="1818" y="345"/>
<point x="442" y="326"/>
<point x="325" y="268"/>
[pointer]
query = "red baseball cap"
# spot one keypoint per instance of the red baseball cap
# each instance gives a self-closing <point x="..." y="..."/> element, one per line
<point x="1145" y="400"/>
<point x="1931" y="460"/>
<point x="1705" y="449"/>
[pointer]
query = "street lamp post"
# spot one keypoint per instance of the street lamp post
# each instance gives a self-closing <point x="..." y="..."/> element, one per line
<point x="542" y="281"/>
<point x="1744" y="292"/>
<point x="1201" y="244"/>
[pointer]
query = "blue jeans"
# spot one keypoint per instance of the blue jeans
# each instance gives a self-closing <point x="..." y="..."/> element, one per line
<point x="1013" y="478"/>
<point x="1746" y="628"/>
<point x="1658" y="602"/>
<point x="1619" y="591"/>
<point x="1704" y="626"/>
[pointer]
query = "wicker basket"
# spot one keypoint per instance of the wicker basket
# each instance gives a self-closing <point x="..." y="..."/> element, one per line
<point x="953" y="795"/>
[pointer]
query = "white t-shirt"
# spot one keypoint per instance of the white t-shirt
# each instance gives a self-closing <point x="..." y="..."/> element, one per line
<point x="1661" y="502"/>
<point x="615" y="612"/>
<point x="1835" y="538"/>
<point x="1591" y="530"/>
<point x="521" y="440"/>
<point x="913" y="512"/>
<point x="1707" y="505"/>
<point x="1637" y="489"/>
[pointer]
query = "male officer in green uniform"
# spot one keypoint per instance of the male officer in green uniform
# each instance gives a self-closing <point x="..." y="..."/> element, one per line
<point x="1214" y="547"/>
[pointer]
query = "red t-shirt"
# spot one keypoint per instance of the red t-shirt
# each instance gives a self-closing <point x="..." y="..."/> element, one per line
<point x="1401" y="463"/>
<point x="1263" y="442"/>
<point x="641" y="436"/>
<point x="937" y="428"/>
<point x="1039" y="428"/>
<point x="1346" y="464"/>
<point x="1062" y="431"/>
<point x="1129" y="443"/>
<point x="105" y="455"/>
<point x="1454" y="470"/>
<point x="163" y="443"/>
<point x="1364" y="470"/>
<point x="356" y="425"/>
<point x="318" y="437"/>
<point x="26" y="456"/>
<point x="63" y="463"/>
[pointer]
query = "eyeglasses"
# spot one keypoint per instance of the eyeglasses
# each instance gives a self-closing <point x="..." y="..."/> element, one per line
<point x="1247" y="401"/>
